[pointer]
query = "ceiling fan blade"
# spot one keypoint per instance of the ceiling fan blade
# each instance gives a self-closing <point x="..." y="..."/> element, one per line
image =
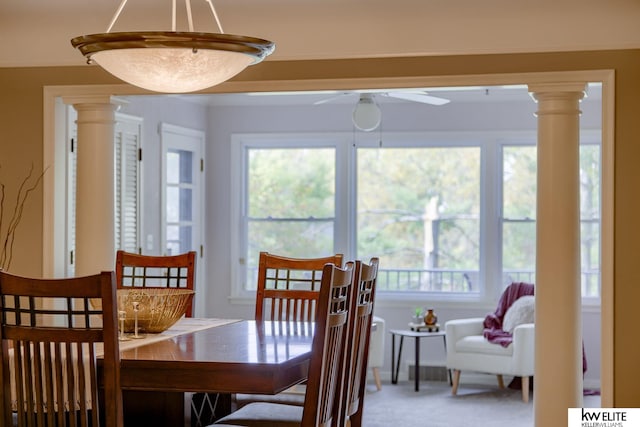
<point x="418" y="97"/>
<point x="332" y="98"/>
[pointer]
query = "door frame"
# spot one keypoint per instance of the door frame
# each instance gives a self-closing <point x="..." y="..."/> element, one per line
<point x="52" y="210"/>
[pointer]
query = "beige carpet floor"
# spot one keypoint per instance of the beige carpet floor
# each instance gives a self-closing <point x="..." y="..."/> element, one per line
<point x="434" y="406"/>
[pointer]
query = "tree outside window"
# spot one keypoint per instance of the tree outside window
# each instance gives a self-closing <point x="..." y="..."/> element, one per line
<point x="418" y="210"/>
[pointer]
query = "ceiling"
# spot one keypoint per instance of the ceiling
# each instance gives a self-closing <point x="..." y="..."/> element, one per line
<point x="38" y="33"/>
<point x="475" y="94"/>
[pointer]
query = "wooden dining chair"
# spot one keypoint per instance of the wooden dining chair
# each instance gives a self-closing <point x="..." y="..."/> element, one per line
<point x="321" y="403"/>
<point x="288" y="288"/>
<point x="52" y="332"/>
<point x="161" y="271"/>
<point x="358" y="337"/>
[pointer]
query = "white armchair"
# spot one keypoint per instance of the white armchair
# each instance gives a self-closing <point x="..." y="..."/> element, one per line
<point x="469" y="350"/>
<point x="376" y="349"/>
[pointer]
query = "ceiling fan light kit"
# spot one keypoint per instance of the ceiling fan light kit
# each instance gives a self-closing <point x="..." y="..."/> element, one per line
<point x="173" y="61"/>
<point x="366" y="115"/>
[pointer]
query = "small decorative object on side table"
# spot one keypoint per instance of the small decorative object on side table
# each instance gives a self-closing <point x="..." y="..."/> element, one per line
<point x="430" y="319"/>
<point x="422" y="327"/>
<point x="417" y="316"/>
<point x="428" y="323"/>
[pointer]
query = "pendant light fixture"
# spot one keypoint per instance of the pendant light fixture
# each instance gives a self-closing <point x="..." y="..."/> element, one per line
<point x="172" y="61"/>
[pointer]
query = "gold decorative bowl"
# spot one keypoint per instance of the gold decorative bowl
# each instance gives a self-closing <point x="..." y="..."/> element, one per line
<point x="158" y="308"/>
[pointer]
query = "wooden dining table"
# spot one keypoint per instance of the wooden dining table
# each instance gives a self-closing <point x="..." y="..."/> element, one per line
<point x="229" y="356"/>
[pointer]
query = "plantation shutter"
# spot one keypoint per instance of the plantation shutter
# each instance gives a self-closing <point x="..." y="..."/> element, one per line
<point x="127" y="182"/>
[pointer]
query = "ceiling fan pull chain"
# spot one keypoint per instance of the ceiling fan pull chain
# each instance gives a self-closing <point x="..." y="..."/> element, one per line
<point x="117" y="15"/>
<point x="215" y="15"/>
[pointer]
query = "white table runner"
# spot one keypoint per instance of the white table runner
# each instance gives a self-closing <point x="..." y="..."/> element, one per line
<point x="182" y="326"/>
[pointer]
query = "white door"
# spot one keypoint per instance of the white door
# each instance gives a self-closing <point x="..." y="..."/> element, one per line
<point x="182" y="195"/>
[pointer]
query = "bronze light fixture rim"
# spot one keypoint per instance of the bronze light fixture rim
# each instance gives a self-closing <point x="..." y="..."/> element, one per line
<point x="255" y="47"/>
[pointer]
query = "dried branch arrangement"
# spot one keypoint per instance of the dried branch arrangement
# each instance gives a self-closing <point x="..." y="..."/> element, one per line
<point x="26" y="187"/>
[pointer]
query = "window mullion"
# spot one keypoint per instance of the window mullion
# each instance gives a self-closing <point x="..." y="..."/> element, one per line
<point x="490" y="214"/>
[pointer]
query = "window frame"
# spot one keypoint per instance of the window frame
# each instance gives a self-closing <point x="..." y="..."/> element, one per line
<point x="491" y="144"/>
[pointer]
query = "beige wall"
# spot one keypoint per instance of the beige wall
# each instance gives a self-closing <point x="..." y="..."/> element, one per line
<point x="21" y="136"/>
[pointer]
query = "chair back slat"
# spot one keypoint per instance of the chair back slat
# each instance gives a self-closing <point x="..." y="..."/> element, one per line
<point x="59" y="384"/>
<point x="150" y="271"/>
<point x="358" y="337"/>
<point x="321" y="403"/>
<point x="288" y="288"/>
<point x="52" y="332"/>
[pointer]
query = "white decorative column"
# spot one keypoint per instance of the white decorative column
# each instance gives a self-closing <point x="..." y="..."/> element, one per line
<point x="558" y="335"/>
<point x="95" y="240"/>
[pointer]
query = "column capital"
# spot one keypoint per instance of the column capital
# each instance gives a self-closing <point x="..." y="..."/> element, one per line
<point x="88" y="99"/>
<point x="111" y="102"/>
<point x="558" y="98"/>
<point x="566" y="90"/>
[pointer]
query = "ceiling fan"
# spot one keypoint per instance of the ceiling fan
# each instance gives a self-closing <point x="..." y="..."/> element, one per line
<point x="367" y="114"/>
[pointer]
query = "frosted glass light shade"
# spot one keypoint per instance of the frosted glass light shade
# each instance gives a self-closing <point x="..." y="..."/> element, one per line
<point x="366" y="115"/>
<point x="173" y="62"/>
<point x="172" y="70"/>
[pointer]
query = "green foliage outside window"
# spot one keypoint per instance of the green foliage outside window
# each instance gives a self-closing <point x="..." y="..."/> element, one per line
<point x="519" y="171"/>
<point x="519" y="204"/>
<point x="419" y="209"/>
<point x="291" y="206"/>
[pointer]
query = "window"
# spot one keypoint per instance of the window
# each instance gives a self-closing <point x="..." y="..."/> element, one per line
<point x="448" y="214"/>
<point x="418" y="210"/>
<point x="179" y="201"/>
<point x="519" y="213"/>
<point x="590" y="179"/>
<point x="290" y="208"/>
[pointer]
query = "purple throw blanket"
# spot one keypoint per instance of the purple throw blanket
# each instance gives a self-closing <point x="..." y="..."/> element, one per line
<point x="493" y="321"/>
